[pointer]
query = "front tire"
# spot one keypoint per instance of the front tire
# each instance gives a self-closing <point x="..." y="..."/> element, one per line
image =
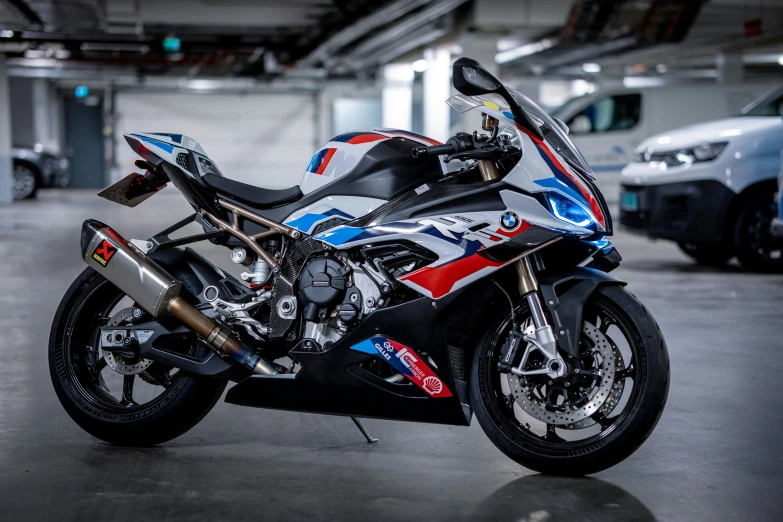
<point x="79" y="378"/>
<point x="619" y="432"/>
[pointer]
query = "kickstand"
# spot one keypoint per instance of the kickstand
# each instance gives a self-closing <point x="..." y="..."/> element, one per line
<point x="360" y="425"/>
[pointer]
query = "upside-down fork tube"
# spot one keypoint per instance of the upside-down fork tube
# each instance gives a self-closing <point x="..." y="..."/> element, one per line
<point x="157" y="292"/>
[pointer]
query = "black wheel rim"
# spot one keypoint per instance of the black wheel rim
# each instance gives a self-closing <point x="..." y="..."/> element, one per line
<point x="610" y="320"/>
<point x="24" y="182"/>
<point x="86" y="369"/>
<point x="760" y="239"/>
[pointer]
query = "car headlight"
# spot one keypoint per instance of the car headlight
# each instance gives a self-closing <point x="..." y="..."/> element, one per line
<point x="675" y="158"/>
<point x="566" y="210"/>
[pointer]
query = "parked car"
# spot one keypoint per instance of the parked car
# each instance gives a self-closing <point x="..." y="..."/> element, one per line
<point x="609" y="125"/>
<point x="710" y="187"/>
<point x="776" y="228"/>
<point x="35" y="168"/>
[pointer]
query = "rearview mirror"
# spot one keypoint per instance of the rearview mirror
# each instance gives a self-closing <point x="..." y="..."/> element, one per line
<point x="472" y="79"/>
<point x="562" y="125"/>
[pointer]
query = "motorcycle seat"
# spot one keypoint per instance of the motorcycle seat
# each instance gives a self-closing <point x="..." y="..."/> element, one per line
<point x="255" y="196"/>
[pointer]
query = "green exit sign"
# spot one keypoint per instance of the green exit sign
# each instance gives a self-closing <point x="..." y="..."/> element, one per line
<point x="171" y="44"/>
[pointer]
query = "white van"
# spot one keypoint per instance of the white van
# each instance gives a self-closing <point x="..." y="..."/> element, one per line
<point x="710" y="186"/>
<point x="607" y="126"/>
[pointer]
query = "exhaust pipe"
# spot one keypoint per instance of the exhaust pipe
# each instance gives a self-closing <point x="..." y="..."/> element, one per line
<point x="157" y="292"/>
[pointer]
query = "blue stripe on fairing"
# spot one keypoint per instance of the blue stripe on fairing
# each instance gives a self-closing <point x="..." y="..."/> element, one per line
<point x="339" y="236"/>
<point x="306" y="222"/>
<point x="316" y="161"/>
<point x="365" y="346"/>
<point x="174" y="137"/>
<point x="160" y="144"/>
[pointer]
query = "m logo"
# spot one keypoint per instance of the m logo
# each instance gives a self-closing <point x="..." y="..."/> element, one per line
<point x="104" y="252"/>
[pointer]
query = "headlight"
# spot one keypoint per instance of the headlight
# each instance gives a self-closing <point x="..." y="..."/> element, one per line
<point x="566" y="210"/>
<point x="675" y="158"/>
<point x="708" y="151"/>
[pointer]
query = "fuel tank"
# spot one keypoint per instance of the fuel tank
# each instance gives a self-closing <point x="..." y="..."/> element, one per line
<point x="375" y="163"/>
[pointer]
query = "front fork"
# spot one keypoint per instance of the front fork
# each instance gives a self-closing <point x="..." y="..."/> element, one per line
<point x="543" y="339"/>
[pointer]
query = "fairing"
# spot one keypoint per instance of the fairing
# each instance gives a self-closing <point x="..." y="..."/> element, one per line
<point x="551" y="164"/>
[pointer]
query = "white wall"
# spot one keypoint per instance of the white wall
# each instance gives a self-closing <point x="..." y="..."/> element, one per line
<point x="262" y="139"/>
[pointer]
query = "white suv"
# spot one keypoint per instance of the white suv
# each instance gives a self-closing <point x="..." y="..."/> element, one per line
<point x="710" y="187"/>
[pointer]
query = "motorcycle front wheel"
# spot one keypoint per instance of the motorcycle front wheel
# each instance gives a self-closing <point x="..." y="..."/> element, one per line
<point x="128" y="402"/>
<point x="597" y="415"/>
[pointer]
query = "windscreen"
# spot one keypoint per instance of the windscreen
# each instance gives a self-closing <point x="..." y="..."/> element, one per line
<point x="553" y="134"/>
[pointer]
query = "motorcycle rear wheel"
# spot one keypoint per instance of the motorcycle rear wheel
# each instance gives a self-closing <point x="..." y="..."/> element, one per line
<point x="615" y="434"/>
<point x="79" y="375"/>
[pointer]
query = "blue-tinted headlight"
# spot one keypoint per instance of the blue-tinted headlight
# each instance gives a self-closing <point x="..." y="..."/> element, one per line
<point x="568" y="211"/>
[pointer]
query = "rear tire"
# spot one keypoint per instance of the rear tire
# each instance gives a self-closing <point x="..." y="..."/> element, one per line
<point x="180" y="407"/>
<point x="707" y="254"/>
<point x="551" y="454"/>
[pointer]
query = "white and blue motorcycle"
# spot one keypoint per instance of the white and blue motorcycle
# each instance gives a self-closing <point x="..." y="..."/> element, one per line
<point x="403" y="279"/>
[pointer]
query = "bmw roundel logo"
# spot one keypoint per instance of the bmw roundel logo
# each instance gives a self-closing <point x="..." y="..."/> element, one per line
<point x="509" y="221"/>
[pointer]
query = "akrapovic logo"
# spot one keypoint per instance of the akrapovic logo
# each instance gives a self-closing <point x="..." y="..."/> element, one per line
<point x="104" y="252"/>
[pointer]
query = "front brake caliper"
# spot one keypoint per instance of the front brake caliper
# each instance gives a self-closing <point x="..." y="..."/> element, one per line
<point x="509" y="352"/>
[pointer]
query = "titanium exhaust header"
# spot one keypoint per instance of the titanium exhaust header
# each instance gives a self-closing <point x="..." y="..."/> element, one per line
<point x="157" y="292"/>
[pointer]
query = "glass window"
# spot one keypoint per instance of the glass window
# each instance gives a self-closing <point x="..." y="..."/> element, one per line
<point x="768" y="105"/>
<point x="613" y="113"/>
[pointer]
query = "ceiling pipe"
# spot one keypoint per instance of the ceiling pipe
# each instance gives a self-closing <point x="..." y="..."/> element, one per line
<point x="359" y="29"/>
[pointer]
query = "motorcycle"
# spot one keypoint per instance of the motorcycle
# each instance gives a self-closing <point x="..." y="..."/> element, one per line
<point x="403" y="279"/>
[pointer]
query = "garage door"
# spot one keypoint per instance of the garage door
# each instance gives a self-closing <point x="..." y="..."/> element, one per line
<point x="263" y="139"/>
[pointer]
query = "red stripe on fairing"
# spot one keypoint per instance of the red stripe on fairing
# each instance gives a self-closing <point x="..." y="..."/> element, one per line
<point x="594" y="206"/>
<point x="439" y="280"/>
<point x="325" y="161"/>
<point x="366" y="138"/>
<point x="522" y="227"/>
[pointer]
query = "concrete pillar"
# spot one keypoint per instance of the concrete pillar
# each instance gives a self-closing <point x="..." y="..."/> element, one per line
<point x="437" y="89"/>
<point x="397" y="95"/>
<point x="6" y="171"/>
<point x="730" y="68"/>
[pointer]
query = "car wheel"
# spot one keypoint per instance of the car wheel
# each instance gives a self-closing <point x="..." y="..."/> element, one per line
<point x="25" y="182"/>
<point x="757" y="249"/>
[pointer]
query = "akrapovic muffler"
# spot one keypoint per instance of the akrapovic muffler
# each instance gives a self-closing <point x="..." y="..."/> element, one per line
<point x="156" y="291"/>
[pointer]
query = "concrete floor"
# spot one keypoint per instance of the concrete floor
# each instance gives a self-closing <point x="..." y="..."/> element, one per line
<point x="716" y="454"/>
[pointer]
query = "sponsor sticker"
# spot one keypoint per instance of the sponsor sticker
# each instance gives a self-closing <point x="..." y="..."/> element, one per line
<point x="407" y="362"/>
<point x="104" y="252"/>
<point x="422" y="189"/>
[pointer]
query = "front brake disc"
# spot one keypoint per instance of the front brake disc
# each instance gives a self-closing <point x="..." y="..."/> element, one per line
<point x="599" y="395"/>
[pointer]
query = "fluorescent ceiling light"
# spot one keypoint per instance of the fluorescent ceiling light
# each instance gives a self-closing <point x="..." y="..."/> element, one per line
<point x="780" y="60"/>
<point x="420" y="65"/>
<point x="591" y="68"/>
<point x="525" y="50"/>
<point x="639" y="82"/>
<point x="6" y="34"/>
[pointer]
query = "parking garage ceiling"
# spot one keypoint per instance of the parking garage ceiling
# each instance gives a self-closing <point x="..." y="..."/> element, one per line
<point x="268" y="39"/>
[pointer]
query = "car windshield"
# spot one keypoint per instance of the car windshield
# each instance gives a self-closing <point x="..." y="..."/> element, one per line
<point x="771" y="104"/>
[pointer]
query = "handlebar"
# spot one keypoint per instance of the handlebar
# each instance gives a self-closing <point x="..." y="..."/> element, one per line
<point x="433" y="150"/>
<point x="462" y="142"/>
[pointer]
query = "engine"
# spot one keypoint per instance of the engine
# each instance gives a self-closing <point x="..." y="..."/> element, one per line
<point x="325" y="283"/>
